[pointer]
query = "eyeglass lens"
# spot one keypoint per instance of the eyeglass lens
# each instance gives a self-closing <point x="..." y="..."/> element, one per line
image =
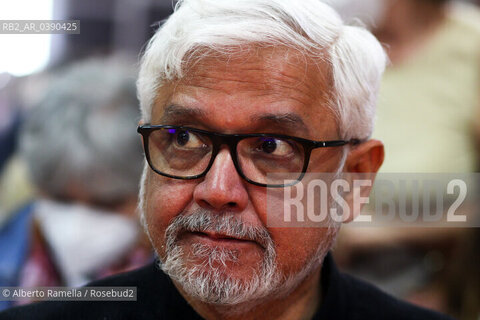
<point x="265" y="160"/>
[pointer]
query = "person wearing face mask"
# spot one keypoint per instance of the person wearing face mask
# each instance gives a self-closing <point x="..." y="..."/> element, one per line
<point x="85" y="161"/>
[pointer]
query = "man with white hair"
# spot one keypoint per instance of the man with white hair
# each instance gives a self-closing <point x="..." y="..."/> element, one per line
<point x="240" y="100"/>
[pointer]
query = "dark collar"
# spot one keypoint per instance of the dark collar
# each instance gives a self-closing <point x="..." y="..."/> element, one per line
<point x="334" y="301"/>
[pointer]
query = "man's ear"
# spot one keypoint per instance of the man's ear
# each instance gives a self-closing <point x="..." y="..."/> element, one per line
<point x="366" y="157"/>
<point x="362" y="164"/>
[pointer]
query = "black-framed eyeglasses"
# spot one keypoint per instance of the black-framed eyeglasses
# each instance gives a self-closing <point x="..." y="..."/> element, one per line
<point x="266" y="160"/>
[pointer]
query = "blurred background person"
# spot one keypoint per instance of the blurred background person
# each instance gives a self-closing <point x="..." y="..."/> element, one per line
<point x="32" y="64"/>
<point x="27" y="61"/>
<point x="83" y="156"/>
<point x="17" y="97"/>
<point x="428" y="116"/>
<point x="431" y="92"/>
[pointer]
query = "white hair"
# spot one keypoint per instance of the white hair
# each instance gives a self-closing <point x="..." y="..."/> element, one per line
<point x="82" y="132"/>
<point x="311" y="27"/>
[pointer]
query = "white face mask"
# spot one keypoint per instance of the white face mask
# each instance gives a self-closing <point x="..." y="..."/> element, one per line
<point x="370" y="12"/>
<point x="82" y="239"/>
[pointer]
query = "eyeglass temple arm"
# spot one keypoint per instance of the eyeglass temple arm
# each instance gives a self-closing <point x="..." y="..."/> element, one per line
<point x="338" y="143"/>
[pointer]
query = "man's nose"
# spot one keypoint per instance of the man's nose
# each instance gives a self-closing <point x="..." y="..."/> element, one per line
<point x="222" y="187"/>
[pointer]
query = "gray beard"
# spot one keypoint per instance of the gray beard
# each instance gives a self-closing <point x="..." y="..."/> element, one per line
<point x="210" y="281"/>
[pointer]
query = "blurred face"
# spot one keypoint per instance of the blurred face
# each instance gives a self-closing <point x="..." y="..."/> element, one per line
<point x="211" y="234"/>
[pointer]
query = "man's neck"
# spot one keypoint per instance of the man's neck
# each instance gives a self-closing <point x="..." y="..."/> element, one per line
<point x="302" y="304"/>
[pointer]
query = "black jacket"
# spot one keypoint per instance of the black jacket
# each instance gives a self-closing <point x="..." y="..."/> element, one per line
<point x="344" y="297"/>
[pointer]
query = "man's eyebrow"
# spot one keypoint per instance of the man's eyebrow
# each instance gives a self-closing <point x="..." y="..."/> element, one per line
<point x="289" y="121"/>
<point x="175" y="112"/>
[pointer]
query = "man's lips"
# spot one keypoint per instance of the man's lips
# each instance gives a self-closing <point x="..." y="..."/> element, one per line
<point x="218" y="238"/>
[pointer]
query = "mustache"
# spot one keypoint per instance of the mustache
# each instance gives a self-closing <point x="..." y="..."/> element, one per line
<point x="228" y="224"/>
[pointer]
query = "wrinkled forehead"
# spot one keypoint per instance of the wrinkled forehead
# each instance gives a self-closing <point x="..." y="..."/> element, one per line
<point x="274" y="78"/>
<point x="281" y="63"/>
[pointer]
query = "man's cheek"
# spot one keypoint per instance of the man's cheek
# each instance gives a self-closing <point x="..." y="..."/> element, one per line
<point x="297" y="246"/>
<point x="258" y="199"/>
<point x="165" y="199"/>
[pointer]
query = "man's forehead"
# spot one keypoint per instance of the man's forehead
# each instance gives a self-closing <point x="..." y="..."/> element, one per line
<point x="282" y="84"/>
<point x="261" y="66"/>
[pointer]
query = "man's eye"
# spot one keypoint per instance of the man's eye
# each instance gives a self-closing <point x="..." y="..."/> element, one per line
<point x="275" y="147"/>
<point x="188" y="140"/>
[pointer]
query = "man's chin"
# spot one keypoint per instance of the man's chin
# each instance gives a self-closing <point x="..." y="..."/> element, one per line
<point x="233" y="270"/>
<point x="223" y="287"/>
<point x="219" y="281"/>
